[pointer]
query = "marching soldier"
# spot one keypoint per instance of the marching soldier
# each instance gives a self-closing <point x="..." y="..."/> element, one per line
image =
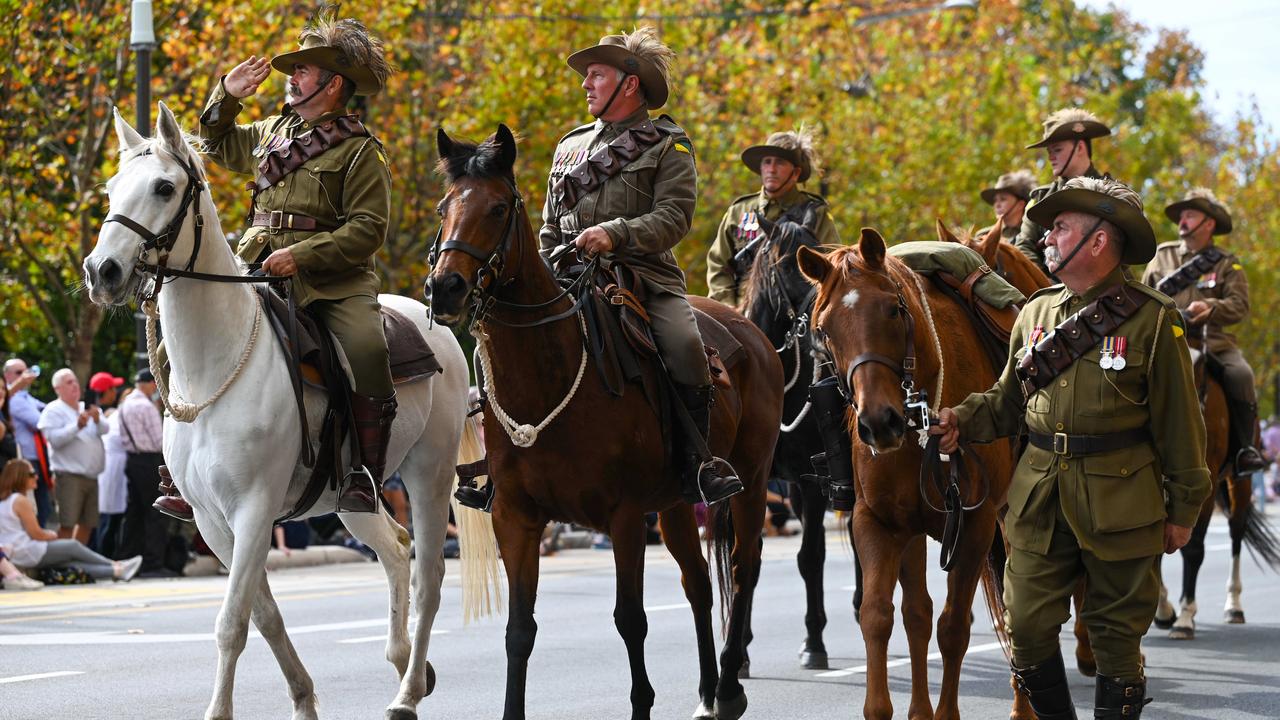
<point x="624" y="187"/>
<point x="1100" y="377"/>
<point x="320" y="207"/>
<point x="1008" y="198"/>
<point x="1208" y="283"/>
<point x="783" y="163"/>
<point x="1068" y="143"/>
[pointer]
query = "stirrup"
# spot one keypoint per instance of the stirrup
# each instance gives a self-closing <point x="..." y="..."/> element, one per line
<point x="729" y="477"/>
<point x="1248" y="461"/>
<point x="476" y="498"/>
<point x="357" y="492"/>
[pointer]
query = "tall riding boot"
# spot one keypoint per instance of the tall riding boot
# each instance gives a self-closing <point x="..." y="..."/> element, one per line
<point x="706" y="479"/>
<point x="373" y="417"/>
<point x="1116" y="699"/>
<point x="833" y="467"/>
<point x="1046" y="686"/>
<point x="1244" y="416"/>
<point x="170" y="501"/>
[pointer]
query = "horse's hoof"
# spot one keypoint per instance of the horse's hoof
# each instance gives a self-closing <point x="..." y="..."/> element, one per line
<point x="1087" y="666"/>
<point x="810" y="660"/>
<point x="702" y="712"/>
<point x="731" y="709"/>
<point x="1182" y="633"/>
<point x="401" y="714"/>
<point x="1164" y="623"/>
<point x="1233" y="617"/>
<point x="744" y="672"/>
<point x="431" y="680"/>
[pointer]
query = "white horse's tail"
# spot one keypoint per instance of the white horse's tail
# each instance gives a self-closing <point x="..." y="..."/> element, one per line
<point x="478" y="546"/>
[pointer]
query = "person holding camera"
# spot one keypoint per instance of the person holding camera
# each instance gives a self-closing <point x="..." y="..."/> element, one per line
<point x="76" y="455"/>
<point x="24" y="411"/>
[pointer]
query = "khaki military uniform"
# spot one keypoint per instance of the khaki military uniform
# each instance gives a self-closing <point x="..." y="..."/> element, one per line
<point x="1031" y="232"/>
<point x="1009" y="234"/>
<point x="740" y="227"/>
<point x="348" y="187"/>
<point x="646" y="209"/>
<point x="1103" y="515"/>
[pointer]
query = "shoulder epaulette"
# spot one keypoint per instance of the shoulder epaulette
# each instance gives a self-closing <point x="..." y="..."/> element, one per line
<point x="742" y="198"/>
<point x="1166" y="245"/>
<point x="815" y="196"/>
<point x="666" y="124"/>
<point x="1046" y="291"/>
<point x="1154" y="294"/>
<point x="575" y="131"/>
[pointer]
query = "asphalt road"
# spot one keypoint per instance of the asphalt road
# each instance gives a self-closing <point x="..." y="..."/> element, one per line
<point x="145" y="649"/>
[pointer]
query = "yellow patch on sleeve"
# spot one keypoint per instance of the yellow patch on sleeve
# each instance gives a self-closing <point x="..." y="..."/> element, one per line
<point x="382" y="157"/>
<point x="683" y="148"/>
<point x="1237" y="266"/>
<point x="1177" y="331"/>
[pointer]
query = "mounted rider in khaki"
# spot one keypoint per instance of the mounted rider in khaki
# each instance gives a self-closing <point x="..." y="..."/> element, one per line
<point x="1209" y="285"/>
<point x="321" y="199"/>
<point x="784" y="162"/>
<point x="624" y="187"/>
<point x="1008" y="198"/>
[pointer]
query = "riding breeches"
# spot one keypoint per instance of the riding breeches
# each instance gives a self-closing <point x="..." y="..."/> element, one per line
<point x="676" y="332"/>
<point x="357" y="325"/>
<point x="1119" y="602"/>
<point x="1237" y="376"/>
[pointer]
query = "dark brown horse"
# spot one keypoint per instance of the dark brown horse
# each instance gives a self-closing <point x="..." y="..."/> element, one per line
<point x="599" y="462"/>
<point x="875" y="313"/>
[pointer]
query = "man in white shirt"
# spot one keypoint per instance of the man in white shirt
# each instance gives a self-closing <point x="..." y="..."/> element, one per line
<point x="76" y="455"/>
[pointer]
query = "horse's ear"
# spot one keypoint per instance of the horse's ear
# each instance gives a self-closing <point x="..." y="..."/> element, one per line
<point x="125" y="133"/>
<point x="813" y="265"/>
<point x="945" y="234"/>
<point x="872" y="248"/>
<point x="989" y="244"/>
<point x="444" y="144"/>
<point x="506" y="147"/>
<point x="169" y="133"/>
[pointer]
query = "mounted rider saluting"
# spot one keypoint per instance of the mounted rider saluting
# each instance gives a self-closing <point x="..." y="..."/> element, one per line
<point x="321" y="200"/>
<point x="785" y="161"/>
<point x="1209" y="285"/>
<point x="624" y="187"/>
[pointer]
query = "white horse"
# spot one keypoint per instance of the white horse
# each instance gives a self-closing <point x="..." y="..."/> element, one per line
<point x="239" y="461"/>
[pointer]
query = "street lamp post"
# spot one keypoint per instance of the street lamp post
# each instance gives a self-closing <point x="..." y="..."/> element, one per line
<point x="142" y="39"/>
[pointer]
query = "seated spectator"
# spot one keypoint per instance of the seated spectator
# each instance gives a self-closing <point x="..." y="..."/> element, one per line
<point x="397" y="500"/>
<point x="291" y="535"/>
<point x="74" y="431"/>
<point x="31" y="546"/>
<point x="15" y="579"/>
<point x="777" y="509"/>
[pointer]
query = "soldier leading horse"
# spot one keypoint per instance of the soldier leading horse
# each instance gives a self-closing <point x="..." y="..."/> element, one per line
<point x="597" y="459"/>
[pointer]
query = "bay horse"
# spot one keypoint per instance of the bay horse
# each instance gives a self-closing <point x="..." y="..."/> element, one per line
<point x="779" y="300"/>
<point x="597" y="459"/>
<point x="874" y="314"/>
<point x="238" y="461"/>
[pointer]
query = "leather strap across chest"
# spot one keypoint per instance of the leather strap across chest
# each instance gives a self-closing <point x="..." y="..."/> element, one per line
<point x="607" y="161"/>
<point x="1077" y="335"/>
<point x="1182" y="278"/>
<point x="282" y="161"/>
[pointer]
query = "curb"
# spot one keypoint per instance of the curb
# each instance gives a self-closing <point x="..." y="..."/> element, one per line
<point x="207" y="565"/>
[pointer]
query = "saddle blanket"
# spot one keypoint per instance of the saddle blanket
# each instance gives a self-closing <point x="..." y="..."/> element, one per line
<point x="930" y="256"/>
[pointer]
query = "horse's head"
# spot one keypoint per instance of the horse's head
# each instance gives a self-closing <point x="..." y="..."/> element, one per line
<point x="863" y="315"/>
<point x="1008" y="262"/>
<point x="154" y="204"/>
<point x="776" y="292"/>
<point x="480" y="217"/>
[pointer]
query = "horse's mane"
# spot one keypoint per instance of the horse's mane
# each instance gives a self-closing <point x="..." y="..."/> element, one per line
<point x="155" y="145"/>
<point x="847" y="261"/>
<point x="758" y="279"/>
<point x="474" y="160"/>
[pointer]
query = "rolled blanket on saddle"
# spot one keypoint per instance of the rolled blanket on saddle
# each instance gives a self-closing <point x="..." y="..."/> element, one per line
<point x="959" y="261"/>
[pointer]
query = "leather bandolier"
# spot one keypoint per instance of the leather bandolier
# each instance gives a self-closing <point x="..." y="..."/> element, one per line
<point x="1182" y="278"/>
<point x="283" y="160"/>
<point x="607" y="161"/>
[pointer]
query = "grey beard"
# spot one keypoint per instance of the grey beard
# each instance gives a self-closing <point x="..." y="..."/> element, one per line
<point x="1052" y="257"/>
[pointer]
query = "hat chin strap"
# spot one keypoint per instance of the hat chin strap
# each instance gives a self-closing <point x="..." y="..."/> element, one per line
<point x="612" y="97"/>
<point x="1192" y="231"/>
<point x="1083" y="241"/>
<point x="319" y="90"/>
<point x="1070" y="157"/>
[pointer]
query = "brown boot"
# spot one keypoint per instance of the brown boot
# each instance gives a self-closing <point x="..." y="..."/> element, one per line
<point x="373" y="417"/>
<point x="170" y="501"/>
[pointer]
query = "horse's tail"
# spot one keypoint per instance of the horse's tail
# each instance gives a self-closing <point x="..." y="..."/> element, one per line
<point x="993" y="588"/>
<point x="477" y="544"/>
<point x="1258" y="534"/>
<point x="720" y="541"/>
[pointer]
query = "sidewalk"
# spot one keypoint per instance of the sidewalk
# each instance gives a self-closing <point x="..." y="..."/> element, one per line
<point x="206" y="565"/>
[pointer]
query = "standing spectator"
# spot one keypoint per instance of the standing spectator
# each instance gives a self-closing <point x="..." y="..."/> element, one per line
<point x="76" y="456"/>
<point x="30" y="545"/>
<point x="146" y="530"/>
<point x="1271" y="451"/>
<point x="25" y="412"/>
<point x="8" y="441"/>
<point x="113" y="488"/>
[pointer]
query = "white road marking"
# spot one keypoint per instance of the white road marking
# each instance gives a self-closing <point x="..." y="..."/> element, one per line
<point x="904" y="661"/>
<point x="141" y="637"/>
<point x="673" y="606"/>
<point x="376" y="638"/>
<point x="40" y="676"/>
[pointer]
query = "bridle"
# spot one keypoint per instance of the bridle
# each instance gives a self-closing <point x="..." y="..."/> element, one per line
<point x="905" y="370"/>
<point x="164" y="241"/>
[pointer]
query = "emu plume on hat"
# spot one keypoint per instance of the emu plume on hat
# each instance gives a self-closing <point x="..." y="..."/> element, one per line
<point x="795" y="146"/>
<point x="1071" y="124"/>
<point x="1110" y="200"/>
<point x="343" y="46"/>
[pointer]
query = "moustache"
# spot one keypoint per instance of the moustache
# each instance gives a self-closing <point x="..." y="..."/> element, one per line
<point x="1051" y="256"/>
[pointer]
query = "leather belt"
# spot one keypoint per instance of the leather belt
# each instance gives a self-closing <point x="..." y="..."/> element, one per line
<point x="279" y="220"/>
<point x="1064" y="444"/>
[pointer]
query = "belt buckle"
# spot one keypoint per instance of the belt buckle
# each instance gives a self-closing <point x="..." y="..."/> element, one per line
<point x="276" y="220"/>
<point x="1060" y="444"/>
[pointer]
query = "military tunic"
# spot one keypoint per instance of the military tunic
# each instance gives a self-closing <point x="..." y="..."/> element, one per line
<point x="1009" y="234"/>
<point x="347" y="187"/>
<point x="1102" y="514"/>
<point x="740" y="227"/>
<point x="646" y="209"/>
<point x="1030" y="234"/>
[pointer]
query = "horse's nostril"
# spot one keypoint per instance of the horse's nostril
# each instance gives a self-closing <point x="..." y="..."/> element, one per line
<point x="109" y="273"/>
<point x="864" y="432"/>
<point x="896" y="423"/>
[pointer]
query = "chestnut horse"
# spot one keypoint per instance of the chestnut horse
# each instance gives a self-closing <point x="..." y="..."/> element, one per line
<point x="600" y="460"/>
<point x="872" y="311"/>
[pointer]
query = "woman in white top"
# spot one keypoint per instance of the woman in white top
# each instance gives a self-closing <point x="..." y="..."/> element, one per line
<point x="29" y="545"/>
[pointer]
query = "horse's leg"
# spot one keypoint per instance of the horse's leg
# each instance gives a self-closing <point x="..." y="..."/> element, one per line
<point x="746" y="516"/>
<point x="1165" y="612"/>
<point x="1085" y="662"/>
<point x="391" y="543"/>
<point x="808" y="502"/>
<point x="680" y="534"/>
<point x="955" y="621"/>
<point x="857" y="573"/>
<point x="248" y="556"/>
<point x="1184" y="628"/>
<point x="917" y="619"/>
<point x="1241" y="497"/>
<point x="883" y="555"/>
<point x="266" y="617"/>
<point x="519" y="533"/>
<point x="628" y="534"/>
